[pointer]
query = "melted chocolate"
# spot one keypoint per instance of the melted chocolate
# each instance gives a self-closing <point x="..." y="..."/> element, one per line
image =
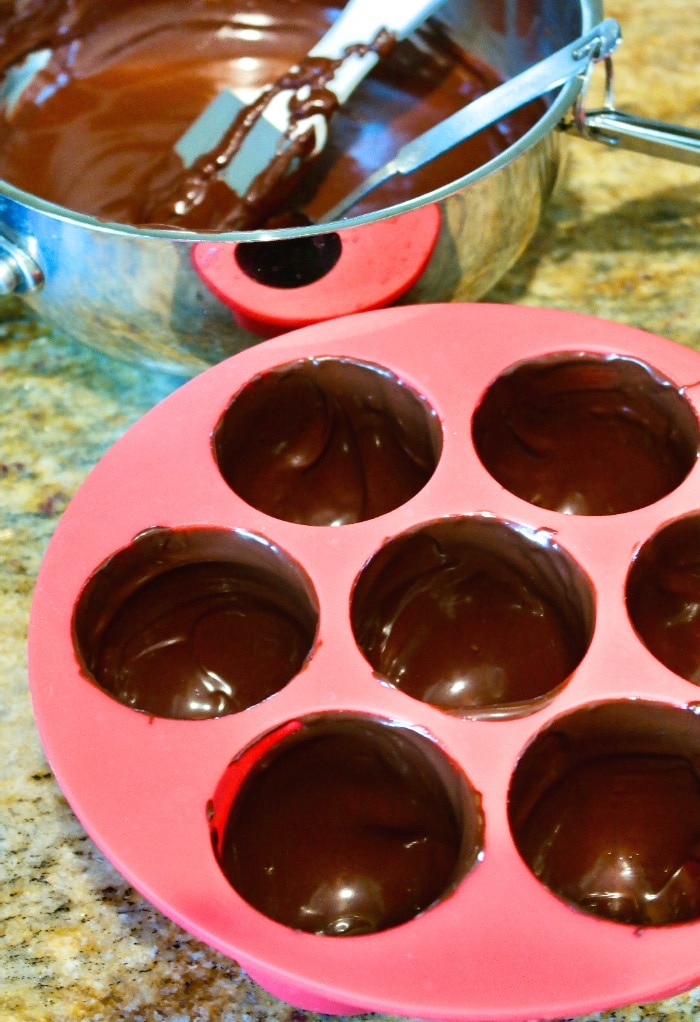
<point x="190" y="640"/>
<point x="610" y="821"/>
<point x="326" y="443"/>
<point x="586" y="435"/>
<point x="663" y="597"/>
<point x="467" y="622"/>
<point x="28" y="25"/>
<point x="126" y="79"/>
<point x="346" y="828"/>
<point x="199" y="641"/>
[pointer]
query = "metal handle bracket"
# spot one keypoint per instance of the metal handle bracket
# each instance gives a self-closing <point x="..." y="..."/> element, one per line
<point x="19" y="273"/>
<point x="622" y="130"/>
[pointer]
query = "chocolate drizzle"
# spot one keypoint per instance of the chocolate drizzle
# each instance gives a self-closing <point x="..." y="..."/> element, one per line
<point x="197" y="196"/>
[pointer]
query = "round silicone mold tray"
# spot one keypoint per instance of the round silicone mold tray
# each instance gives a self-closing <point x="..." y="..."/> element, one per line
<point x="540" y="795"/>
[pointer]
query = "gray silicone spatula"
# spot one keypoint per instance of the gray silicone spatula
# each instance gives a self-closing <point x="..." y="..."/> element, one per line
<point x="535" y="81"/>
<point x="270" y="126"/>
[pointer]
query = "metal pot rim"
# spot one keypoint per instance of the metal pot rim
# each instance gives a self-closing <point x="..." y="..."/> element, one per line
<point x="562" y="102"/>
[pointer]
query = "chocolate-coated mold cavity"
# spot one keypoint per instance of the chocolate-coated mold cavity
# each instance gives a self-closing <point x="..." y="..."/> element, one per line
<point x="478" y="616"/>
<point x="327" y="442"/>
<point x="195" y="623"/>
<point x="291" y="262"/>
<point x="586" y="434"/>
<point x="663" y="596"/>
<point x="343" y="825"/>
<point x="604" y="807"/>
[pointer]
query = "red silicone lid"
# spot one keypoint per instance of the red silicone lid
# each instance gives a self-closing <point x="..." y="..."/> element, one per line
<point x="374" y="265"/>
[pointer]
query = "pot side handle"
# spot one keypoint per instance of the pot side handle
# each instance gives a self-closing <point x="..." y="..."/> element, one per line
<point x="654" y="138"/>
<point x="19" y="273"/>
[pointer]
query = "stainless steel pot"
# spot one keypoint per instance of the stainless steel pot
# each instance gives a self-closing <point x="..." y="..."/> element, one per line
<point x="134" y="293"/>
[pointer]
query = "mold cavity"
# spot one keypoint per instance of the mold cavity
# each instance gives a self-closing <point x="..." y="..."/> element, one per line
<point x="586" y="434"/>
<point x="195" y="623"/>
<point x="477" y="616"/>
<point x="327" y="442"/>
<point x="291" y="262"/>
<point x="604" y="808"/>
<point x="663" y="596"/>
<point x="345" y="825"/>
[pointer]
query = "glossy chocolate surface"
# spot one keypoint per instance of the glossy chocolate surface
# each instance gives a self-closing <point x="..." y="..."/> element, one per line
<point x="605" y="809"/>
<point x="586" y="435"/>
<point x="663" y="596"/>
<point x="326" y="442"/>
<point x="126" y="79"/>
<point x="470" y="616"/>
<point x="191" y="640"/>
<point x="347" y="827"/>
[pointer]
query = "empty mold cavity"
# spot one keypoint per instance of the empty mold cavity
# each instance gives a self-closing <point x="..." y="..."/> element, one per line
<point x="663" y="596"/>
<point x="343" y="825"/>
<point x="195" y="623"/>
<point x="586" y="434"/>
<point x="327" y="442"/>
<point x="291" y="262"/>
<point x="477" y="616"/>
<point x="604" y="808"/>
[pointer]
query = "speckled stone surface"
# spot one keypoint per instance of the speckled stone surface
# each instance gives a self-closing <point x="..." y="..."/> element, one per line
<point x="621" y="240"/>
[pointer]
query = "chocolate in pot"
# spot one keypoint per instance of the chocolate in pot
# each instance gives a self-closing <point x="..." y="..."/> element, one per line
<point x="125" y="80"/>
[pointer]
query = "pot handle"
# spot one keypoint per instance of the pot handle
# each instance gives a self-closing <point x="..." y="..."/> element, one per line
<point x="654" y="138"/>
<point x="19" y="273"/>
<point x="622" y="130"/>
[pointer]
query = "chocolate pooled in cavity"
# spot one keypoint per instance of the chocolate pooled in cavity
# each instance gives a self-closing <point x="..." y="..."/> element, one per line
<point x="327" y="442"/>
<point x="348" y="827"/>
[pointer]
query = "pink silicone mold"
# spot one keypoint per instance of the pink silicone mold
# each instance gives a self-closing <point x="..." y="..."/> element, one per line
<point x="255" y="701"/>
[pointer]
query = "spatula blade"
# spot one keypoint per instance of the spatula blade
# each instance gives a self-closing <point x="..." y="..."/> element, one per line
<point x="258" y="148"/>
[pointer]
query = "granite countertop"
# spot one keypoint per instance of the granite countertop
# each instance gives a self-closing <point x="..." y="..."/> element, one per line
<point x="620" y="239"/>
